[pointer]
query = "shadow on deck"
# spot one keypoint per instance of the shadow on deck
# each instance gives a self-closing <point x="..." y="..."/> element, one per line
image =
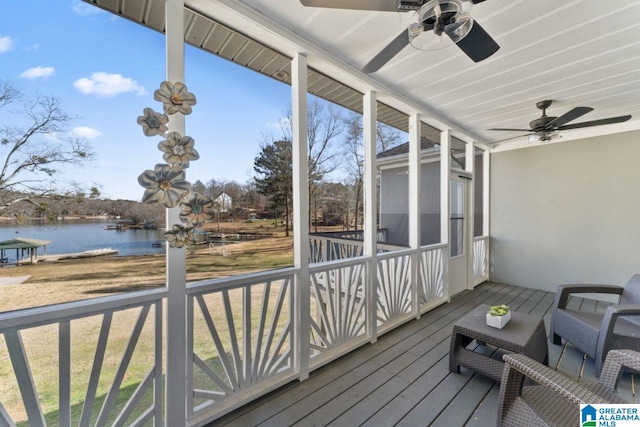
<point x="403" y="379"/>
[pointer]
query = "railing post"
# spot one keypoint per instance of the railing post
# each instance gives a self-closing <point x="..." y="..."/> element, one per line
<point x="302" y="324"/>
<point x="176" y="376"/>
<point x="414" y="210"/>
<point x="325" y="250"/>
<point x="370" y="249"/>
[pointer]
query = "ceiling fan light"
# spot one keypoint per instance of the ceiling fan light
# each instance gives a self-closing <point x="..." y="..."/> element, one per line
<point x="451" y="14"/>
<point x="544" y="137"/>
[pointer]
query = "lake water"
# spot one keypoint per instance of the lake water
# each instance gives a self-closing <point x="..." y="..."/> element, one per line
<point x="69" y="236"/>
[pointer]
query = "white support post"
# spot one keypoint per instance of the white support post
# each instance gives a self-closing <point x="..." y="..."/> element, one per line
<point x="176" y="357"/>
<point x="445" y="185"/>
<point x="302" y="324"/>
<point x="370" y="232"/>
<point x="486" y="177"/>
<point x="470" y="166"/>
<point x="414" y="210"/>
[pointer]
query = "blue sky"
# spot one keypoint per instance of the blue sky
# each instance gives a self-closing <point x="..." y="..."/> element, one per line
<point x="105" y="69"/>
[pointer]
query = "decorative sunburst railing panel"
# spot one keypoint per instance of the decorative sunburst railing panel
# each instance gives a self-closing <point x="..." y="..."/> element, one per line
<point x="240" y="336"/>
<point x="394" y="285"/>
<point x="432" y="274"/>
<point x="113" y="378"/>
<point x="338" y="306"/>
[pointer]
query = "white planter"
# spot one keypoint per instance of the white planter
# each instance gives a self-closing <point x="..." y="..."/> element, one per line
<point x="498" y="321"/>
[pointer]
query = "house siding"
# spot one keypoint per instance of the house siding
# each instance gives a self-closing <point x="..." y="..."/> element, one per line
<point x="394" y="203"/>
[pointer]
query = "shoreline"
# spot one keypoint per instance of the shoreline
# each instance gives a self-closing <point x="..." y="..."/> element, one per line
<point x="67" y="218"/>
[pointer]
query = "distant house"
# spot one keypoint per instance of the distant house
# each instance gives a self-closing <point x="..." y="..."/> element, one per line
<point x="223" y="202"/>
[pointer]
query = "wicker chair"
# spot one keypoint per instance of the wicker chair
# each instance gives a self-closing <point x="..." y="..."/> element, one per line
<point x="553" y="399"/>
<point x="597" y="333"/>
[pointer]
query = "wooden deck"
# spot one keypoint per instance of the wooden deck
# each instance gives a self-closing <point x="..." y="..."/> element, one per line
<point x="403" y="379"/>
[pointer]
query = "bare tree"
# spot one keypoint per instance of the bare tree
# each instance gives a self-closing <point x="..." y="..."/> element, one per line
<point x="32" y="154"/>
<point x="386" y="137"/>
<point x="324" y="125"/>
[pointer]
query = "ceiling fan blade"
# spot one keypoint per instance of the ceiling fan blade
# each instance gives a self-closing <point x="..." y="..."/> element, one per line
<point x="601" y="122"/>
<point x="379" y="5"/>
<point x="478" y="44"/>
<point x="512" y="130"/>
<point x="476" y="1"/>
<point x="567" y="117"/>
<point x="385" y="55"/>
<point x="509" y="139"/>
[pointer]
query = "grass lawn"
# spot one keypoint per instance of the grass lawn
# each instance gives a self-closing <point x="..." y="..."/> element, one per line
<point x="70" y="280"/>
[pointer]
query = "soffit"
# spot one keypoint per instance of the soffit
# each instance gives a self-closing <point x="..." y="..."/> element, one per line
<point x="212" y="36"/>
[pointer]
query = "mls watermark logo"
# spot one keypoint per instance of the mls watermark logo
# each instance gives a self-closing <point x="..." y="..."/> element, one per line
<point x="609" y="415"/>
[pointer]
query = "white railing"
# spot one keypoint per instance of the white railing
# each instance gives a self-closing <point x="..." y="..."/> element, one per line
<point x="104" y="381"/>
<point x="432" y="274"/>
<point x="325" y="247"/>
<point x="394" y="286"/>
<point x="338" y="308"/>
<point x="480" y="259"/>
<point x="239" y="333"/>
<point x="241" y="337"/>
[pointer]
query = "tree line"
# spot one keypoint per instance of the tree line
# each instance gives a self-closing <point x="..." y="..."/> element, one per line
<point x="30" y="163"/>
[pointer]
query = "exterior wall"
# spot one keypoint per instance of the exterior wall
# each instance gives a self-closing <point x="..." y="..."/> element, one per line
<point x="566" y="212"/>
<point x="223" y="202"/>
<point x="394" y="204"/>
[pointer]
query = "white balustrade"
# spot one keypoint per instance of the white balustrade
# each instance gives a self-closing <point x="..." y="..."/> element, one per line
<point x="394" y="286"/>
<point x="325" y="249"/>
<point x="87" y="364"/>
<point x="240" y="338"/>
<point x="432" y="275"/>
<point x="338" y="308"/>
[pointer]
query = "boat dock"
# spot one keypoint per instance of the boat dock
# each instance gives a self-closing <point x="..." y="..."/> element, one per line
<point x="78" y="255"/>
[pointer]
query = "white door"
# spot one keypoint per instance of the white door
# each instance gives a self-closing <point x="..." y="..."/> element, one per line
<point x="458" y="235"/>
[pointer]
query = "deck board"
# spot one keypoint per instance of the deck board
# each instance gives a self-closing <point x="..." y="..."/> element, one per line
<point x="404" y="378"/>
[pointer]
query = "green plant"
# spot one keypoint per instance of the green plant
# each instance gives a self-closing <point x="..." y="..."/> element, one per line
<point x="499" y="310"/>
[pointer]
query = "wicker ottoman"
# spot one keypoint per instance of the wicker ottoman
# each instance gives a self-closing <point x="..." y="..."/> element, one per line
<point x="523" y="334"/>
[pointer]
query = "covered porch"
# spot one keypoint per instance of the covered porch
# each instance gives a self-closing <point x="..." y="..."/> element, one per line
<point x="357" y="332"/>
<point x="404" y="378"/>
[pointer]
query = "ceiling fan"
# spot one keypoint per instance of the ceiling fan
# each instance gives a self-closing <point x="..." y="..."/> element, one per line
<point x="436" y="18"/>
<point x="545" y="128"/>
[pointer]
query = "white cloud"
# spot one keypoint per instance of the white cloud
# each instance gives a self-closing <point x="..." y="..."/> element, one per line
<point x="107" y="84"/>
<point x="52" y="136"/>
<point x="37" y="72"/>
<point x="85" y="132"/>
<point x="85" y="9"/>
<point x="6" y="44"/>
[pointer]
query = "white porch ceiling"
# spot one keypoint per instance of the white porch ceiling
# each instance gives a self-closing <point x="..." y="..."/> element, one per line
<point x="577" y="53"/>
